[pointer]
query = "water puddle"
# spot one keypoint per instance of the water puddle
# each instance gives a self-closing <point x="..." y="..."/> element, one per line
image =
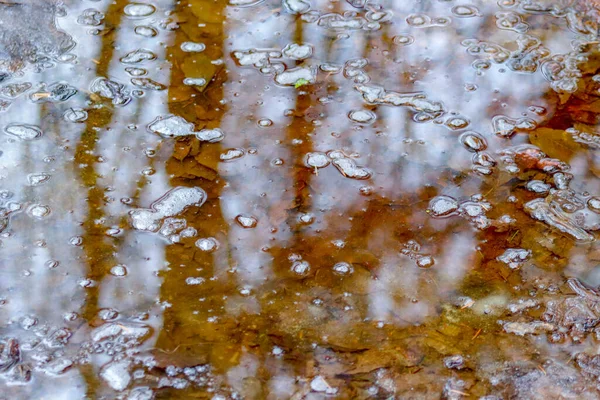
<point x="299" y="199"/>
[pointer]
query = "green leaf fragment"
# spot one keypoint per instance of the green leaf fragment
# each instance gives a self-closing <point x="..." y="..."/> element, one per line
<point x="301" y="82"/>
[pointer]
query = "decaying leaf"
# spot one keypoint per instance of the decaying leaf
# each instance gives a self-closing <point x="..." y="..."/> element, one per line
<point x="198" y="68"/>
<point x="556" y="143"/>
<point x="190" y="168"/>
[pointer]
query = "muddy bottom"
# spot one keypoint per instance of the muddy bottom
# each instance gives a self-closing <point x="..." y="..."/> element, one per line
<point x="299" y="199"/>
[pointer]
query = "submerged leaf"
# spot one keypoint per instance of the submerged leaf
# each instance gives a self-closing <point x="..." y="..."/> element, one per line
<point x="198" y="70"/>
<point x="556" y="143"/>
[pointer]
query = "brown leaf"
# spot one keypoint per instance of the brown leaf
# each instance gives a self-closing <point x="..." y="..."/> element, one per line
<point x="208" y="11"/>
<point x="555" y="143"/>
<point x="190" y="168"/>
<point x="374" y="359"/>
<point x="199" y="67"/>
<point x="181" y="150"/>
<point x="208" y="156"/>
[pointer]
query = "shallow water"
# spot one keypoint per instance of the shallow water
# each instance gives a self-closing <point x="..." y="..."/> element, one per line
<point x="304" y="199"/>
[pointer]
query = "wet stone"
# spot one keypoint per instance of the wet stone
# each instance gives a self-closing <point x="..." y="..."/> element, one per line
<point x="4" y="105"/>
<point x="129" y="332"/>
<point x="511" y="21"/>
<point x="473" y="141"/>
<point x="210" y="135"/>
<point x="542" y="211"/>
<point x="357" y="3"/>
<point x="521" y="305"/>
<point x="403" y="40"/>
<point x="316" y="160"/>
<point x="256" y="57"/>
<point x="133" y="71"/>
<point x="244" y="3"/>
<point x="10" y="353"/>
<point x="147" y="84"/>
<point x="30" y="35"/>
<point x="90" y="17"/>
<point x="506" y="127"/>
<point x="59" y="366"/>
<point x="306" y="218"/>
<point x="296" y="6"/>
<point x="425" y="261"/>
<point x="465" y="11"/>
<point x="319" y="384"/>
<point x="300" y="267"/>
<point x="373" y="94"/>
<point x="457" y="123"/>
<point x="139" y="10"/>
<point x="528" y="328"/>
<point x="362" y="116"/>
<point x="194" y="81"/>
<point x="141" y="393"/>
<point x="38" y="211"/>
<point x="192" y="47"/>
<point x="443" y="206"/>
<point x="454" y="362"/>
<point x="292" y="76"/>
<point x="330" y="68"/>
<point x="207" y="244"/>
<point x="349" y="169"/>
<point x="14" y="90"/>
<point x="53" y="93"/>
<point x="118" y="270"/>
<point x="344" y="22"/>
<point x="138" y="56"/>
<point x="111" y="90"/>
<point x="514" y="258"/>
<point x="38" y="178"/>
<point x="425" y="21"/>
<point x="298" y="51"/>
<point x="171" y="126"/>
<point x="593" y="204"/>
<point x="246" y="221"/>
<point x="232" y="154"/>
<point x="170" y="204"/>
<point x="343" y="268"/>
<point x="23" y="132"/>
<point x="191" y="281"/>
<point x="146" y="31"/>
<point x="347" y="166"/>
<point x="538" y="187"/>
<point x="20" y="374"/>
<point x="116" y="375"/>
<point x="75" y="115"/>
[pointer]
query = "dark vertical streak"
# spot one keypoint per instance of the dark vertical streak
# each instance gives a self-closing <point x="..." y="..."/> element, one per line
<point x="204" y="108"/>
<point x="97" y="251"/>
